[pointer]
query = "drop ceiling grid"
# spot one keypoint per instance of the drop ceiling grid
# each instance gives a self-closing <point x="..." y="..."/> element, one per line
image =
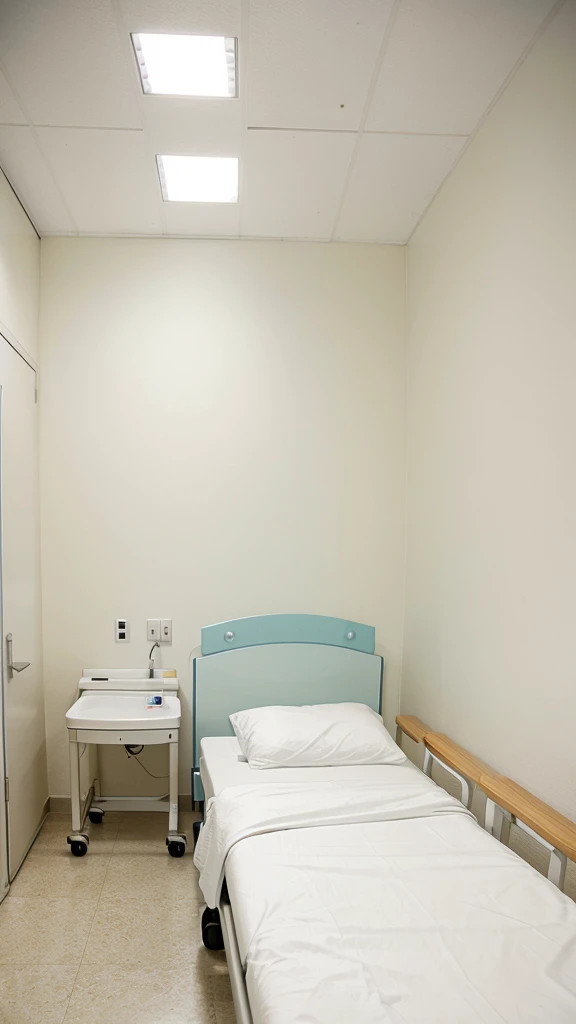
<point x="48" y="181"/>
<point x="388" y="30"/>
<point x="330" y="96"/>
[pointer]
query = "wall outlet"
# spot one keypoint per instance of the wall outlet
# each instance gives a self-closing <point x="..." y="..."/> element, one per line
<point x="121" y="631"/>
<point x="153" y="626"/>
<point x="166" y="631"/>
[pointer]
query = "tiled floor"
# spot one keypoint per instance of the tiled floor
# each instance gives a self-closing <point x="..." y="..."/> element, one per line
<point x="110" y="938"/>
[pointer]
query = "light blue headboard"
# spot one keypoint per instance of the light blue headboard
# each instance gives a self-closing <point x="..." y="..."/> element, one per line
<point x="280" y="659"/>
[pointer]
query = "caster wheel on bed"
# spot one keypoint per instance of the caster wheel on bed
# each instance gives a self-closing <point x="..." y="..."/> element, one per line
<point x="96" y="816"/>
<point x="176" y="848"/>
<point x="78" y="845"/>
<point x="211" y="930"/>
<point x="196" y="826"/>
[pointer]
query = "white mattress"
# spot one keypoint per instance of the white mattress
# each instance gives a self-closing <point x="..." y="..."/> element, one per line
<point x="414" y="921"/>
<point x="419" y="921"/>
<point x="220" y="766"/>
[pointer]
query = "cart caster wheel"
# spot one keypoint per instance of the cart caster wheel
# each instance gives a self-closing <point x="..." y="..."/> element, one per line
<point x="78" y="847"/>
<point x="78" y="844"/>
<point x="196" y="826"/>
<point x="211" y="930"/>
<point x="96" y="816"/>
<point x="176" y="848"/>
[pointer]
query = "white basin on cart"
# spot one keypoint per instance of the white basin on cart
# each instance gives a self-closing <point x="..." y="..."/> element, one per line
<point x="111" y="709"/>
<point x="116" y="709"/>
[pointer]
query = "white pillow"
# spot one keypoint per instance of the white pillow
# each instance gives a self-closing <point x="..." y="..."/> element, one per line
<point x="314" y="736"/>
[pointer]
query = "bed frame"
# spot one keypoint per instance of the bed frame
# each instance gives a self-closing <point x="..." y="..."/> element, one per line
<point x="265" y="660"/>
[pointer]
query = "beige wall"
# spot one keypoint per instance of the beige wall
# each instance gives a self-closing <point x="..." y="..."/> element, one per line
<point x="19" y="272"/>
<point x="491" y="577"/>
<point x="222" y="435"/>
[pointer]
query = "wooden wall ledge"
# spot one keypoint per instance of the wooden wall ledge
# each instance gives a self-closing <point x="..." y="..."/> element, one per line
<point x="552" y="826"/>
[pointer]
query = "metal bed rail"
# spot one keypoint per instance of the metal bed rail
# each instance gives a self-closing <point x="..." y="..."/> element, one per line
<point x="506" y="801"/>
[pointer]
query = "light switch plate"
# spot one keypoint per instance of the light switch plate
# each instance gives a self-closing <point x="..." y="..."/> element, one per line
<point x="153" y="628"/>
<point x="166" y="631"/>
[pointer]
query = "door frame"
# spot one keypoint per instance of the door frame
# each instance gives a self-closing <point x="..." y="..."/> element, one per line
<point x="4" y="837"/>
<point x="8" y="337"/>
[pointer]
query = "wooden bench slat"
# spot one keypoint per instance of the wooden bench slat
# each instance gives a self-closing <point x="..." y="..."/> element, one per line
<point x="456" y="756"/>
<point x="539" y="816"/>
<point x="413" y="727"/>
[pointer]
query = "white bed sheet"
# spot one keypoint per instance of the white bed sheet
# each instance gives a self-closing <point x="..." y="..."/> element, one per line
<point x="417" y="921"/>
<point x="220" y="767"/>
<point x="422" y="921"/>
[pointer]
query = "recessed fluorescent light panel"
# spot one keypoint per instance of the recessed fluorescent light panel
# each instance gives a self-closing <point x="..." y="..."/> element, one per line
<point x="199" y="179"/>
<point x="186" y="65"/>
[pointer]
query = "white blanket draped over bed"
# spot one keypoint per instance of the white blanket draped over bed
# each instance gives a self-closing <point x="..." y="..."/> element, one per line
<point x="239" y="812"/>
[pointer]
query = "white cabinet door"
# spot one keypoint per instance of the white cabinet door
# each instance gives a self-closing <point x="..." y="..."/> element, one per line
<point x="24" y="723"/>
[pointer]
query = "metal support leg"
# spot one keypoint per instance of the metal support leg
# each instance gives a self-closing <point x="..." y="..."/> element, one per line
<point x="467" y="791"/>
<point x="173" y="816"/>
<point x="77" y="840"/>
<point x="557" y="868"/>
<point x="97" y="783"/>
<point x="75" y="785"/>
<point x="176" y="841"/>
<point x="498" y="822"/>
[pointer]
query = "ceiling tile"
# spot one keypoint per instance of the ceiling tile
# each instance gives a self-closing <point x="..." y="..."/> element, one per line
<point x="69" y="64"/>
<point x="447" y="59"/>
<point x="292" y="183"/>
<point x="311" y="63"/>
<point x="394" y="179"/>
<point x="30" y="175"/>
<point x="10" y="112"/>
<point x="208" y="17"/>
<point x="204" y="219"/>
<point x="109" y="179"/>
<point x="196" y="127"/>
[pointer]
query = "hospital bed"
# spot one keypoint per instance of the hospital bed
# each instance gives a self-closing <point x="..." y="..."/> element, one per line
<point x="401" y="918"/>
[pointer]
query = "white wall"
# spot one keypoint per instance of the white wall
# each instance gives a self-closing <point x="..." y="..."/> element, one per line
<point x="222" y="435"/>
<point x="19" y="272"/>
<point x="490" y="618"/>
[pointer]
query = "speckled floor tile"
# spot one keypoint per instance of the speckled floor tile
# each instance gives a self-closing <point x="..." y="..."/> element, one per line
<point x="59" y="818"/>
<point x="136" y="995"/>
<point x="40" y="931"/>
<point x="150" y="931"/>
<point x="56" y="827"/>
<point x="138" y="872"/>
<point x="138" y="843"/>
<point x="54" y="872"/>
<point x="153" y="822"/>
<point x="30" y="995"/>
